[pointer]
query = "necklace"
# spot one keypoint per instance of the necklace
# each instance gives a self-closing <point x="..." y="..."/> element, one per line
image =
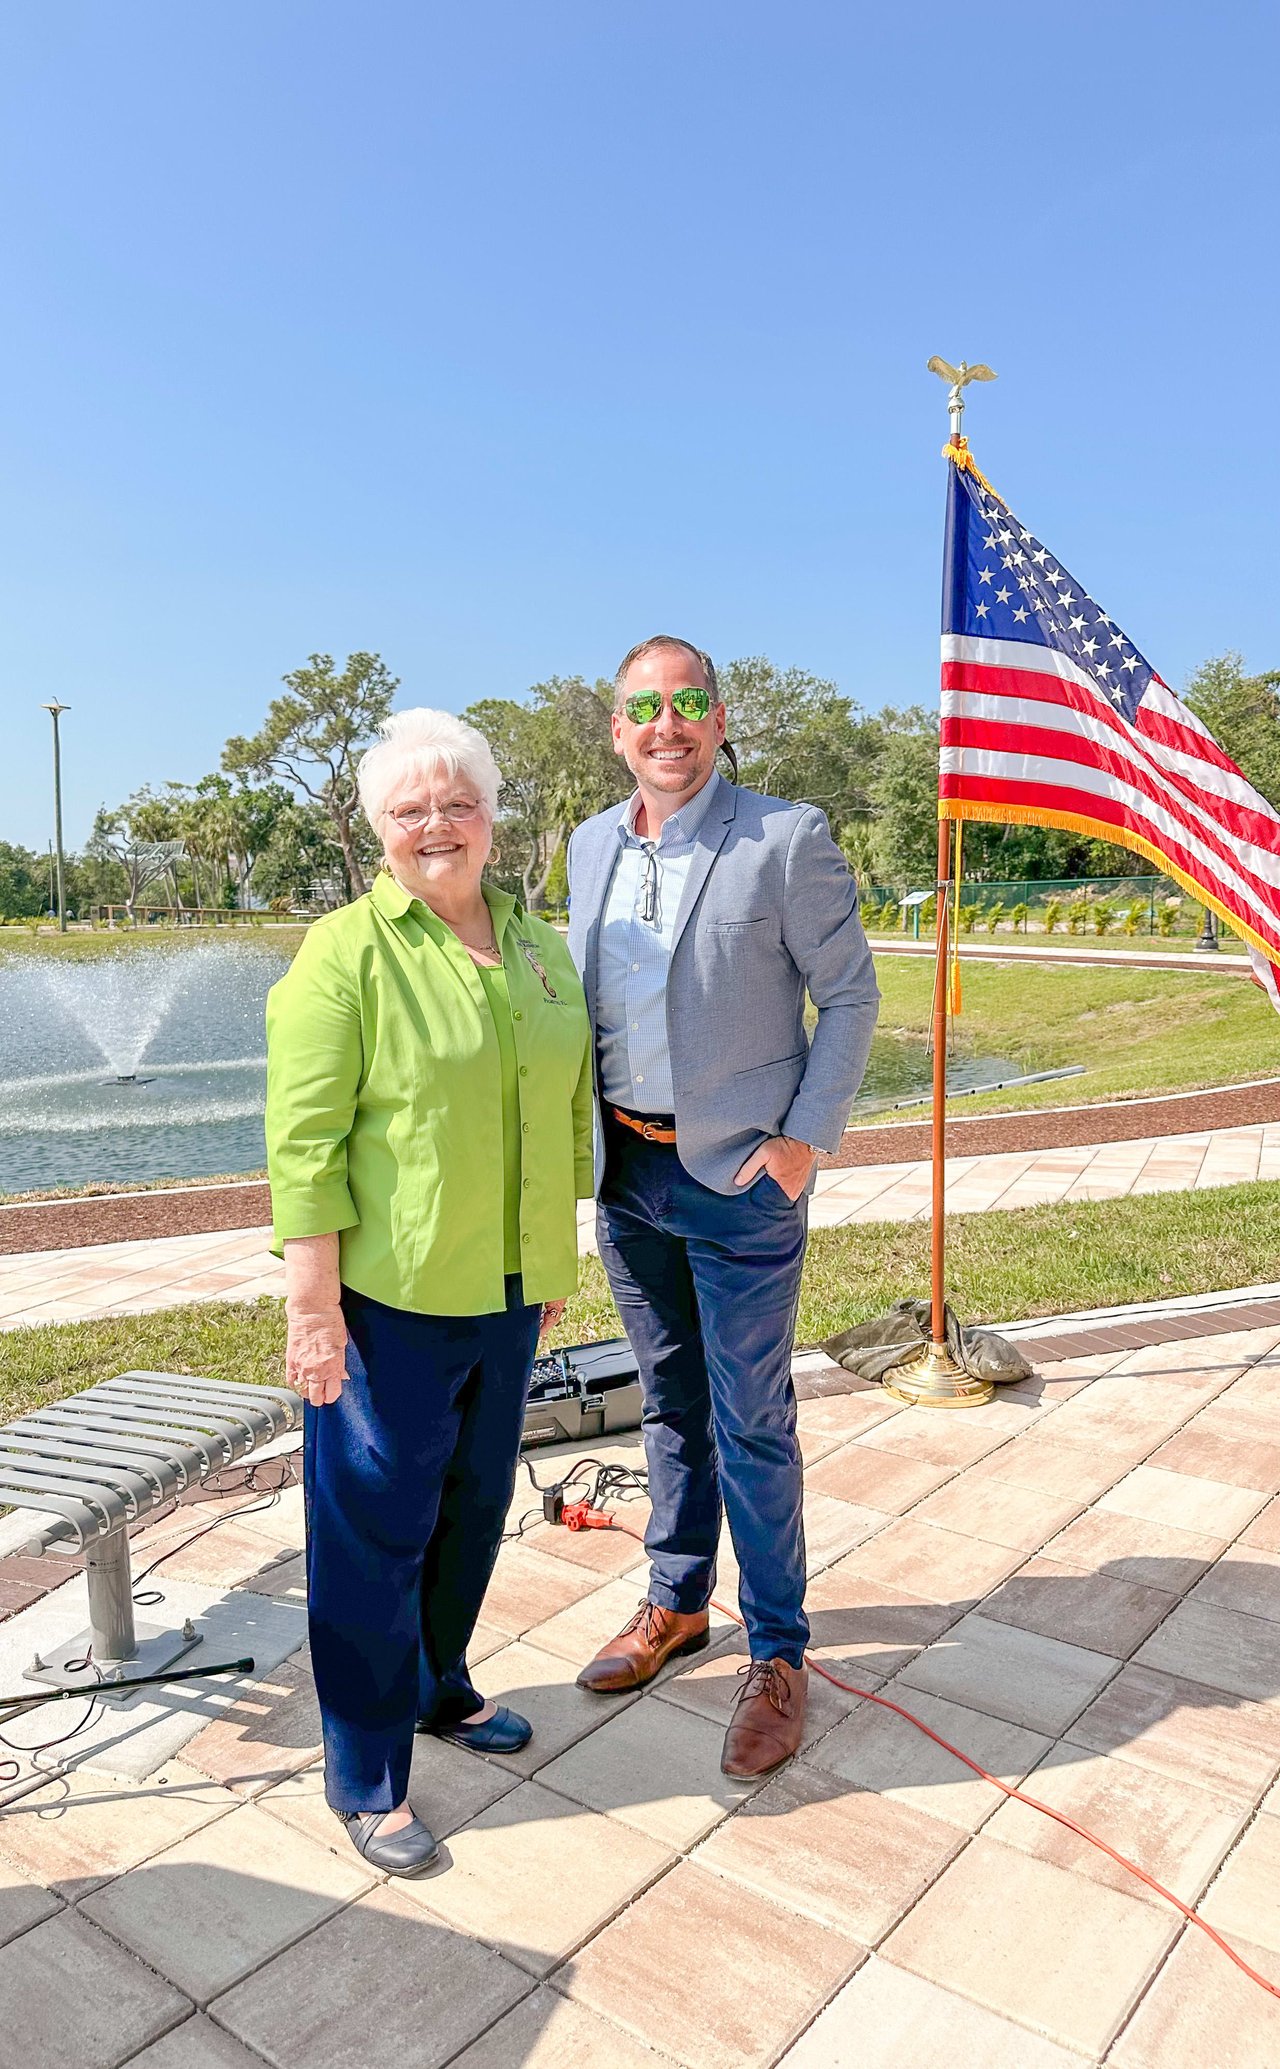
<point x="487" y="952"/>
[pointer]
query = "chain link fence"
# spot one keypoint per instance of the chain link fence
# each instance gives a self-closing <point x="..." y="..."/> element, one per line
<point x="1153" y="906"/>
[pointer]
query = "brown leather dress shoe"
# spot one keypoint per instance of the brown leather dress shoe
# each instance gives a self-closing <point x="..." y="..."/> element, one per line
<point x="768" y="1720"/>
<point x="654" y="1636"/>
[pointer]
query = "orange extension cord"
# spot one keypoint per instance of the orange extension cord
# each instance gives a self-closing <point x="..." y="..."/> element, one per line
<point x="581" y="1516"/>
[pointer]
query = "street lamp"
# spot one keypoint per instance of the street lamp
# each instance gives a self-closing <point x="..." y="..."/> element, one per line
<point x="1208" y="942"/>
<point x="55" y="711"/>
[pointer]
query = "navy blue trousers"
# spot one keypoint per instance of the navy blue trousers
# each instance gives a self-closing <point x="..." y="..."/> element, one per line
<point x="408" y="1476"/>
<point x="707" y="1288"/>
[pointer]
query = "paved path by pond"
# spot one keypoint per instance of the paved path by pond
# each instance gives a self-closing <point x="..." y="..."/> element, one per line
<point x="137" y="1277"/>
<point x="1078" y="1585"/>
<point x="976" y="949"/>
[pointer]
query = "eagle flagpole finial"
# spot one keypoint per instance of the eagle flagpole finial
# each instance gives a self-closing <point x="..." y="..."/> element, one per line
<point x="959" y="378"/>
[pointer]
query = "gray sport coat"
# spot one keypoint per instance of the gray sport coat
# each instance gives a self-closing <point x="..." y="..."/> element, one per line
<point x="769" y="912"/>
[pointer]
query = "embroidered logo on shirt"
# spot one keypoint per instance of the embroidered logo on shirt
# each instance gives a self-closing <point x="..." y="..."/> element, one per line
<point x="531" y="957"/>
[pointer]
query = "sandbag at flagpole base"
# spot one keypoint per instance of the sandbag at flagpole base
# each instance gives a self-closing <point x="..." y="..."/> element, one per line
<point x="897" y="1351"/>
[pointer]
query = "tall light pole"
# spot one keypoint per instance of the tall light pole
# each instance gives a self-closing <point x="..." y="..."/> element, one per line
<point x="55" y="711"/>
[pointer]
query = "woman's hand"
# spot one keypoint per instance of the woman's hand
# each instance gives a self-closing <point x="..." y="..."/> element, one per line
<point x="552" y="1310"/>
<point x="316" y="1353"/>
<point x="315" y="1358"/>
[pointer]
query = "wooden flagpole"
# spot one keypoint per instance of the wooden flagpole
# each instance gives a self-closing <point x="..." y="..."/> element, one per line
<point x="938" y="1148"/>
<point x="936" y="1379"/>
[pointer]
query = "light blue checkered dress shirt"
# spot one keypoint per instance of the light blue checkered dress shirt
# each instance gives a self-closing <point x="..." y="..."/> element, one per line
<point x="634" y="955"/>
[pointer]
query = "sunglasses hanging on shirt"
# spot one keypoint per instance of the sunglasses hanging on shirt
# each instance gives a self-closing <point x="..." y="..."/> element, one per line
<point x="649" y="884"/>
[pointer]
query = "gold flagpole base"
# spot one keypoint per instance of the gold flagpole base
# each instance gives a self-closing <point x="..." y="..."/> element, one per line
<point x="934" y="1380"/>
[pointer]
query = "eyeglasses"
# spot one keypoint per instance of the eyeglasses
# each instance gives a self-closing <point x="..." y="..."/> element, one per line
<point x="646" y="705"/>
<point x="411" y="817"/>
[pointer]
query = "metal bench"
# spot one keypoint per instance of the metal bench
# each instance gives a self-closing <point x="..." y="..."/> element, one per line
<point x="102" y="1461"/>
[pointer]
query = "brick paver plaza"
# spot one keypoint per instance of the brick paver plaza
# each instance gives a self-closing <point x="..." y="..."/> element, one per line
<point x="1079" y="1585"/>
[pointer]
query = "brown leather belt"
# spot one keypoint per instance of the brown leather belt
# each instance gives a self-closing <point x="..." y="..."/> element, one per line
<point x="652" y="1131"/>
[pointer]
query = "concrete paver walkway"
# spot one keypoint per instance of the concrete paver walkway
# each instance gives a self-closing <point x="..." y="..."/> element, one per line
<point x="137" y="1277"/>
<point x="1079" y="1585"/>
<point x="1060" y="950"/>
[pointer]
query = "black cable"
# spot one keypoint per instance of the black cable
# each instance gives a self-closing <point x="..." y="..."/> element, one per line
<point x="610" y="1483"/>
<point x="246" y="1482"/>
<point x="10" y="1770"/>
<point x="510" y="1537"/>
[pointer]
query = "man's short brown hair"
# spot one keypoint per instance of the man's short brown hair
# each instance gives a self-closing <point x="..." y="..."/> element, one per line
<point x="658" y="641"/>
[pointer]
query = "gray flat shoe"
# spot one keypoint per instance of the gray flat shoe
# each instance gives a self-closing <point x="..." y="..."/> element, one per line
<point x="409" y="1851"/>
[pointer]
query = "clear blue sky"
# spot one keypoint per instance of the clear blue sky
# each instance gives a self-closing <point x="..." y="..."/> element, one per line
<point x="495" y="337"/>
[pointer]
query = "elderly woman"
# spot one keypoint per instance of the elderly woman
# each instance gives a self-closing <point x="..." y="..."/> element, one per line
<point x="428" y="1126"/>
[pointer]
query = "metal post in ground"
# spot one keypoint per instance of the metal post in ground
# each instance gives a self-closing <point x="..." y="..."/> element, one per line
<point x="55" y="711"/>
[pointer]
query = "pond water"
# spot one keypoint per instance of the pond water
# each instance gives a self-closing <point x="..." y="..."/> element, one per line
<point x="150" y="1064"/>
<point x="124" y="1068"/>
<point x="900" y="1067"/>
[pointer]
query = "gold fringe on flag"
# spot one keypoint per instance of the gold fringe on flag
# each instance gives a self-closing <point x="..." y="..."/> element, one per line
<point x="957" y="864"/>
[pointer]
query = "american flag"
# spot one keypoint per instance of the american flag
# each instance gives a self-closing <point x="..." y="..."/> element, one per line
<point x="1051" y="716"/>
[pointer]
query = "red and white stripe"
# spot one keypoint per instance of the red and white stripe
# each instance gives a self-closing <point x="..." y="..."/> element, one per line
<point x="1025" y="731"/>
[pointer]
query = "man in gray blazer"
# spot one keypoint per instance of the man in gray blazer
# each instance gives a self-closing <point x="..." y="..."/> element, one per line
<point x="700" y="915"/>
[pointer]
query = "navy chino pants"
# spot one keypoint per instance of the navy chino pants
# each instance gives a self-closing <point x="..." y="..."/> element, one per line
<point x="707" y="1287"/>
<point x="407" y="1476"/>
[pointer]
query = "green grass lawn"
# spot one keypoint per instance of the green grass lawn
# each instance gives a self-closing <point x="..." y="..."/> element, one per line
<point x="1035" y="1261"/>
<point x="281" y="938"/>
<point x="1135" y="1031"/>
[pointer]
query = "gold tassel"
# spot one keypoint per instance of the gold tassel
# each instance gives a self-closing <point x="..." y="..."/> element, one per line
<point x="957" y="449"/>
<point x="957" y="864"/>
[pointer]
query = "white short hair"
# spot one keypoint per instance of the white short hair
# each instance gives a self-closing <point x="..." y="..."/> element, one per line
<point x="414" y="746"/>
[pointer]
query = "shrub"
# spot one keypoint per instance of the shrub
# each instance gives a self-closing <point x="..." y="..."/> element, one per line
<point x="1167" y="918"/>
<point x="969" y="918"/>
<point x="1134" y="917"/>
<point x="1077" y="914"/>
<point x="993" y="916"/>
<point x="1020" y="915"/>
<point x="1103" y="916"/>
<point x="888" y="914"/>
<point x="1052" y="914"/>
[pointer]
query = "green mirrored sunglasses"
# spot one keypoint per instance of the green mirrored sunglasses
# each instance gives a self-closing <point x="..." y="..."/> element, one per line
<point x="645" y="705"/>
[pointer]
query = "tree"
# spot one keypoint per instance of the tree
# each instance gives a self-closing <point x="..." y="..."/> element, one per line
<point x="295" y="865"/>
<point x="798" y="736"/>
<point x="555" y="754"/>
<point x="857" y="841"/>
<point x="151" y="818"/>
<point x="24" y="883"/>
<point x="1243" y="714"/>
<point x="91" y="880"/>
<point x="114" y="838"/>
<point x="905" y="794"/>
<point x="211" y="829"/>
<point x="312" y="739"/>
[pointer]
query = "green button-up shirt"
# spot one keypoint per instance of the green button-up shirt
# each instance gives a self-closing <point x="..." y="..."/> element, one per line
<point x="384" y="1104"/>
